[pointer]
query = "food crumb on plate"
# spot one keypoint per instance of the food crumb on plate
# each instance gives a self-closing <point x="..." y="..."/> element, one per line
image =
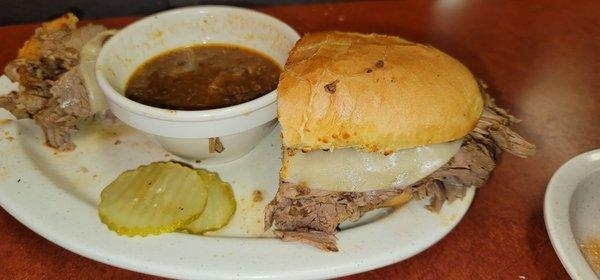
<point x="257" y="196"/>
<point x="215" y="145"/>
<point x="83" y="169"/>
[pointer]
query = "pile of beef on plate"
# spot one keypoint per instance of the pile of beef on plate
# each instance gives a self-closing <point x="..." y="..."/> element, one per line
<point x="51" y="87"/>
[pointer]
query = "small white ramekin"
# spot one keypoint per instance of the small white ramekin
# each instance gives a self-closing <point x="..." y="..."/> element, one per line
<point x="186" y="133"/>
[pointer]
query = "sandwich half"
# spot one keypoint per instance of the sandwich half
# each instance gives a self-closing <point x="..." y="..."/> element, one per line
<point x="372" y="121"/>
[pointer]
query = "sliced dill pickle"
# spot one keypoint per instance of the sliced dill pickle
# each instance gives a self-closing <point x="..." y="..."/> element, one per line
<point x="153" y="199"/>
<point x="220" y="205"/>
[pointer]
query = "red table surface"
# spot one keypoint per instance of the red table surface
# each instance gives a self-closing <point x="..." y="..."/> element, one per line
<point x="542" y="60"/>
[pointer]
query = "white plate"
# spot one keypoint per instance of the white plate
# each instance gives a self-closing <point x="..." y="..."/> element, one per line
<point x="572" y="211"/>
<point x="55" y="195"/>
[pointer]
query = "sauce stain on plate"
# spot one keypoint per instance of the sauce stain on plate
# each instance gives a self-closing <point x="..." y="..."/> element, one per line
<point x="591" y="251"/>
<point x="3" y="172"/>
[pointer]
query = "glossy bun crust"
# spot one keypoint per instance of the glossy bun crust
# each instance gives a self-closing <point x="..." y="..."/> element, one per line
<point x="373" y="92"/>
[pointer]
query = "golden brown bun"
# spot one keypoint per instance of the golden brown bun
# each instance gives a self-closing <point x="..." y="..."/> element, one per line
<point x="373" y="92"/>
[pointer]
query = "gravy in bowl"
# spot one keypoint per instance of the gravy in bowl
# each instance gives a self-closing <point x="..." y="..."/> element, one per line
<point x="203" y="77"/>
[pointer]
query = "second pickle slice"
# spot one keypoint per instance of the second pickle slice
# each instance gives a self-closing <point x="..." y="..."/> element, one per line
<point x="220" y="205"/>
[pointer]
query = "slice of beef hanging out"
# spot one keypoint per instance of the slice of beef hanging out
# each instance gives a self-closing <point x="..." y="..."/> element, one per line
<point x="312" y="216"/>
<point x="51" y="87"/>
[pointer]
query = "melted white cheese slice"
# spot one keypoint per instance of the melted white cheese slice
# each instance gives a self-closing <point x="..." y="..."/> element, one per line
<point x="352" y="170"/>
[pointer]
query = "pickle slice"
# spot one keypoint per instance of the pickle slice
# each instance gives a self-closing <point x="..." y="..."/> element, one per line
<point x="153" y="199"/>
<point x="220" y="205"/>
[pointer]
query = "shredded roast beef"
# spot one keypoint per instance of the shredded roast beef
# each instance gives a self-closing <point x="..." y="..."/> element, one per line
<point x="312" y="216"/>
<point x="322" y="240"/>
<point x="69" y="103"/>
<point x="51" y="89"/>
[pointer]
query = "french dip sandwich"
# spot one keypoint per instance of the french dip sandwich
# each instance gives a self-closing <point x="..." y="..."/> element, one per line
<point x="372" y="121"/>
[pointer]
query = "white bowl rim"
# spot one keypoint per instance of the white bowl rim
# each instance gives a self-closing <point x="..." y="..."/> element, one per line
<point x="182" y="115"/>
<point x="557" y="200"/>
